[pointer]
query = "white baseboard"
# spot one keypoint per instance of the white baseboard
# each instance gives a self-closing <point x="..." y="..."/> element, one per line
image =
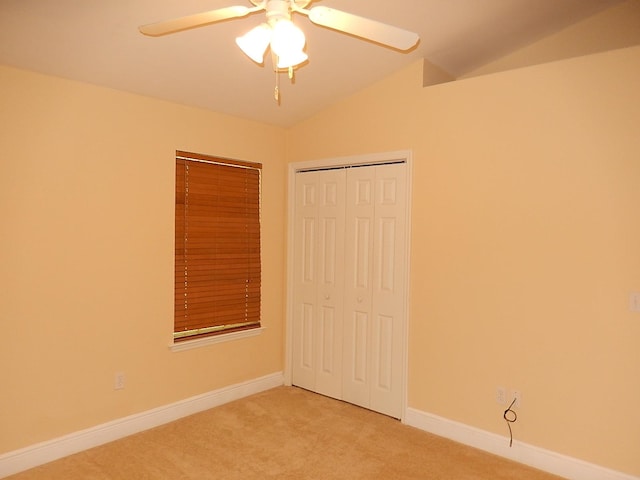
<point x="41" y="453"/>
<point x="546" y="460"/>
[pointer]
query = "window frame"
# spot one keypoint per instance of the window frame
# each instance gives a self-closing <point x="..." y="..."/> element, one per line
<point x="236" y="329"/>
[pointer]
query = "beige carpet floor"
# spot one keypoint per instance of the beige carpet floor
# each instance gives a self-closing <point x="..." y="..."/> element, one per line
<point x="284" y="433"/>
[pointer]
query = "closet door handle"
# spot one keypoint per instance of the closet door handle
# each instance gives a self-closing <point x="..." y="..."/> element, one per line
<point x="359" y="299"/>
<point x="326" y="297"/>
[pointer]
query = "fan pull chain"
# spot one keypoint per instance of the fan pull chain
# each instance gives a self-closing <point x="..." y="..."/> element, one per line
<point x="290" y="71"/>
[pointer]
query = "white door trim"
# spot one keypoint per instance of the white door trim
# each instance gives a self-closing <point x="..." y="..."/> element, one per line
<point x="368" y="159"/>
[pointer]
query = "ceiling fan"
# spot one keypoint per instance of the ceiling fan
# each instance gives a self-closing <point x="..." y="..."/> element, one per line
<point x="285" y="39"/>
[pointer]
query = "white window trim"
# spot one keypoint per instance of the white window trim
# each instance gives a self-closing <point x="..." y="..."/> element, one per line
<point x="224" y="337"/>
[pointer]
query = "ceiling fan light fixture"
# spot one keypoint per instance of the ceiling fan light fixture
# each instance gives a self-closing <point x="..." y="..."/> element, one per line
<point x="287" y="42"/>
<point x="255" y="42"/>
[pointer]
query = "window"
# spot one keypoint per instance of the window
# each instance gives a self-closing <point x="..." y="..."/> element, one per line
<point x="217" y="257"/>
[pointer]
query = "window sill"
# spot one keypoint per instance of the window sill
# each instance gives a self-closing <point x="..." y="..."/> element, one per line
<point x="225" y="337"/>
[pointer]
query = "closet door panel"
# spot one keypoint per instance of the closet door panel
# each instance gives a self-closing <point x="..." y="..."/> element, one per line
<point x="305" y="282"/>
<point x="330" y="287"/>
<point x="388" y="290"/>
<point x="358" y="277"/>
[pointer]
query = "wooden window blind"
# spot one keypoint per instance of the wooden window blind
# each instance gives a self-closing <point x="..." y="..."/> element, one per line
<point x="217" y="257"/>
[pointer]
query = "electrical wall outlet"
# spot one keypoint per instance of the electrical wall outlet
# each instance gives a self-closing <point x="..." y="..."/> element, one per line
<point x="501" y="395"/>
<point x="118" y="382"/>
<point x="634" y="302"/>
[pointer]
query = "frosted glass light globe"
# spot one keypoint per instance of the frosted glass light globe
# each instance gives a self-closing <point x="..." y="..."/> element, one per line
<point x="286" y="38"/>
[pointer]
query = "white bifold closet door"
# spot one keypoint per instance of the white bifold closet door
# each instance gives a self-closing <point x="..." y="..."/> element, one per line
<point x="319" y="281"/>
<point x="349" y="284"/>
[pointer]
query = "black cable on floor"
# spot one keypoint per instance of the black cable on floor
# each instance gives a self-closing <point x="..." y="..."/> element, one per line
<point x="511" y="420"/>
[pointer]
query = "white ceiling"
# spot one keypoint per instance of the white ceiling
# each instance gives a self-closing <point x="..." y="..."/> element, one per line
<point x="97" y="41"/>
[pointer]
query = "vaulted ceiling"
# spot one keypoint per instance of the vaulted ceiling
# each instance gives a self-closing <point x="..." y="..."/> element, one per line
<point x="97" y="41"/>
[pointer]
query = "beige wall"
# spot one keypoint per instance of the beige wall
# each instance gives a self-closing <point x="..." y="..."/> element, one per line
<point x="525" y="239"/>
<point x="86" y="284"/>
<point x="525" y="235"/>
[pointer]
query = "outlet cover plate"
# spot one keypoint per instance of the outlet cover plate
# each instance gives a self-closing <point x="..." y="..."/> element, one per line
<point x="501" y="395"/>
<point x="634" y="302"/>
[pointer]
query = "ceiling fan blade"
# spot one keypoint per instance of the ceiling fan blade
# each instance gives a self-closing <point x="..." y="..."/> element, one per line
<point x="363" y="27"/>
<point x="197" y="20"/>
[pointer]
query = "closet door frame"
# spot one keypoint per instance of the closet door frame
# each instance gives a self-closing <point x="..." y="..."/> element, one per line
<point x="370" y="159"/>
